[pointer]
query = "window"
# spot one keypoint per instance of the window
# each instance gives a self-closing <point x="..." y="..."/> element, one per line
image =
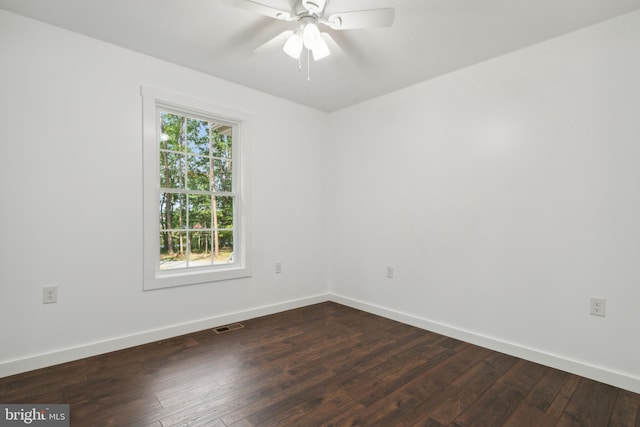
<point x="195" y="212"/>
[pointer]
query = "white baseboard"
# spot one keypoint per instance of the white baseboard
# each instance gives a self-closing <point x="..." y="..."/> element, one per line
<point x="596" y="373"/>
<point x="29" y="363"/>
<point x="582" y="369"/>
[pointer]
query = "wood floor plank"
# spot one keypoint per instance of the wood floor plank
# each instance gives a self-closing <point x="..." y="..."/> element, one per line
<point x="430" y="422"/>
<point x="241" y="423"/>
<point x="523" y="376"/>
<point x="396" y="409"/>
<point x="320" y="407"/>
<point x="363" y="387"/>
<point x="529" y="416"/>
<point x="480" y="377"/>
<point x="377" y="349"/>
<point x="626" y="411"/>
<point x="450" y="369"/>
<point x="564" y="395"/>
<point x="411" y="372"/>
<point x="273" y="395"/>
<point x="591" y="405"/>
<point x="309" y="398"/>
<point x="545" y="391"/>
<point x="446" y="405"/>
<point x="492" y="408"/>
<point x="321" y="365"/>
<point x="504" y="396"/>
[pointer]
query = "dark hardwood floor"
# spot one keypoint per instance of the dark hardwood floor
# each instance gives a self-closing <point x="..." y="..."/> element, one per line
<point x="324" y="364"/>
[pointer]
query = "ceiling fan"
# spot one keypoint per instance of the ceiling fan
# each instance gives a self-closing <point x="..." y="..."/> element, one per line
<point x="309" y="14"/>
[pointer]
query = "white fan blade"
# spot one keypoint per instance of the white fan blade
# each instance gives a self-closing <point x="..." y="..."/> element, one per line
<point x="275" y="43"/>
<point x="260" y="8"/>
<point x="362" y="19"/>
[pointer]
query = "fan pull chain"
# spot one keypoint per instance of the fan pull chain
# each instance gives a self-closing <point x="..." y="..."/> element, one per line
<point x="308" y="64"/>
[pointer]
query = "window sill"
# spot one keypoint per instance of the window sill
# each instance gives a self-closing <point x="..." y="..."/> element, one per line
<point x="168" y="279"/>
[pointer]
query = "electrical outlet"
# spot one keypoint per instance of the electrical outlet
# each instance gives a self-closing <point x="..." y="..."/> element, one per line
<point x="597" y="307"/>
<point x="49" y="294"/>
<point x="390" y="272"/>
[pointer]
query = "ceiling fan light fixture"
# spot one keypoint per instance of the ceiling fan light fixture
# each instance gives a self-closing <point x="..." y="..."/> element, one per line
<point x="309" y="14"/>
<point x="293" y="46"/>
<point x="311" y="35"/>
<point x="320" y="50"/>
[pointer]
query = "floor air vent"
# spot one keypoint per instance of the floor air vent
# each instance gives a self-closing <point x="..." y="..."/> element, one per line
<point x="228" y="328"/>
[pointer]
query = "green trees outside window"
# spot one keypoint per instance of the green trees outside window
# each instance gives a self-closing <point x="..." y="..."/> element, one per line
<point x="196" y="192"/>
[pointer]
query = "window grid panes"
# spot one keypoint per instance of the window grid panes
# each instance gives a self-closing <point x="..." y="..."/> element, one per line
<point x="197" y="195"/>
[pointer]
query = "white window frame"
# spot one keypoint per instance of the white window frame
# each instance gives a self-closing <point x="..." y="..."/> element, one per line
<point x="153" y="100"/>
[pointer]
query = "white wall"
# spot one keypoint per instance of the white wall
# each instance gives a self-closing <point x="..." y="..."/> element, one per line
<point x="71" y="210"/>
<point x="505" y="195"/>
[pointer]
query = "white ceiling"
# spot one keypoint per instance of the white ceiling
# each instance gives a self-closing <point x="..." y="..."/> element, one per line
<point x="429" y="38"/>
